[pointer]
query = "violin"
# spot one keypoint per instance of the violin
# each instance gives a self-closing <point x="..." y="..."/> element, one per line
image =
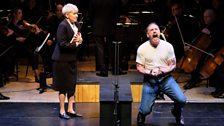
<point x="31" y="27"/>
<point x="193" y="55"/>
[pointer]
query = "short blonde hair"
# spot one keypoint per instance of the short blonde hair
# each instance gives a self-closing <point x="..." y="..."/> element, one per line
<point x="69" y="8"/>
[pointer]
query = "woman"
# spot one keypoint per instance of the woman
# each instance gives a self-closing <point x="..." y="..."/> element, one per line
<point x="68" y="39"/>
<point x="27" y="39"/>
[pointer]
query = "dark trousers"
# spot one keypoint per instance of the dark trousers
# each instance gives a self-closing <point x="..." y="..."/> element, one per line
<point x="103" y="53"/>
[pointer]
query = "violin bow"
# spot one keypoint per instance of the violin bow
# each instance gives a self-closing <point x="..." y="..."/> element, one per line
<point x="178" y="26"/>
<point x="36" y="25"/>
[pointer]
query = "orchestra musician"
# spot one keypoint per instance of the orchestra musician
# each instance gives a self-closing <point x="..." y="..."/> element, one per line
<point x="218" y="77"/>
<point x="104" y="15"/>
<point x="26" y="39"/>
<point x="213" y="28"/>
<point x="51" y="24"/>
<point x="7" y="39"/>
<point x="218" y="80"/>
<point x="4" y="61"/>
<point x="181" y="28"/>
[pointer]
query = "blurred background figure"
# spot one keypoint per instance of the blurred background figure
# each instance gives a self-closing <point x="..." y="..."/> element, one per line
<point x="7" y="53"/>
<point x="27" y="39"/>
<point x="104" y="15"/>
<point x="180" y="29"/>
<point x="50" y="23"/>
<point x="212" y="27"/>
<point x="7" y="39"/>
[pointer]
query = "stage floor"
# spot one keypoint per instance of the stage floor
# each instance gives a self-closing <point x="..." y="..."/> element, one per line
<point x="46" y="114"/>
<point x="27" y="107"/>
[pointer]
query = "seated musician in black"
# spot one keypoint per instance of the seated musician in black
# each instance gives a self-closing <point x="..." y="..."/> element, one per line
<point x="26" y="39"/>
<point x="214" y="29"/>
<point x="51" y="25"/>
<point x="218" y="79"/>
<point x="181" y="28"/>
<point x="7" y="39"/>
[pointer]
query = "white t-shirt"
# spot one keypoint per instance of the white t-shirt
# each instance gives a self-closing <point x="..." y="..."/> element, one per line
<point x="154" y="57"/>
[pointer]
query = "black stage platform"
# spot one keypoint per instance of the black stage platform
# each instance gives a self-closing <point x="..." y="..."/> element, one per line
<point x="46" y="114"/>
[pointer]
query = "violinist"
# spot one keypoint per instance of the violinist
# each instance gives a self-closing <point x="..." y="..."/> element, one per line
<point x="25" y="39"/>
<point x="213" y="27"/>
<point x="180" y="29"/>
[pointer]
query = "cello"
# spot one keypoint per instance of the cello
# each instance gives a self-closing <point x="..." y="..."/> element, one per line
<point x="189" y="61"/>
<point x="194" y="53"/>
<point x="211" y="64"/>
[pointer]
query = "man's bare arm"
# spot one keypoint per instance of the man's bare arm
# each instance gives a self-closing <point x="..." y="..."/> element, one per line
<point x="171" y="66"/>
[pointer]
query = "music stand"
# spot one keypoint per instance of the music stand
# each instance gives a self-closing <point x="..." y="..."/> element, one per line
<point x="116" y="84"/>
